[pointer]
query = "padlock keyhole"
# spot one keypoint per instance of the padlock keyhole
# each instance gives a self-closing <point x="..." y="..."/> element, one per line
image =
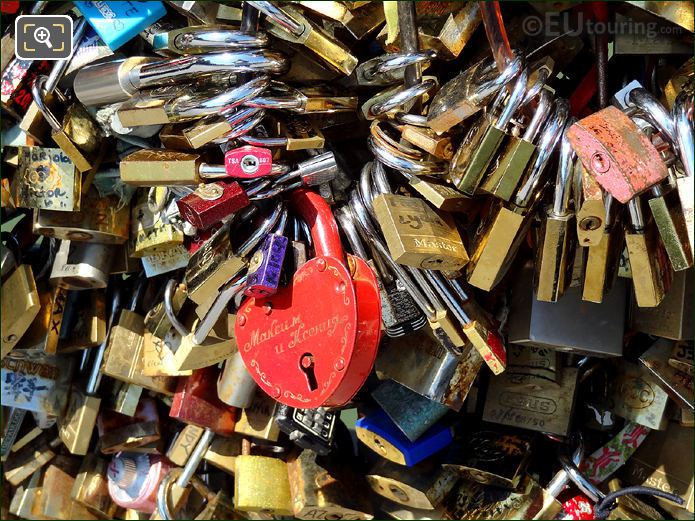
<point x="306" y="364"/>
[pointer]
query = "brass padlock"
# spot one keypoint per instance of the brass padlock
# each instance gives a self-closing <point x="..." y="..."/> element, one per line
<point x="150" y="232"/>
<point x="324" y="491"/>
<point x="556" y="241"/>
<point x="637" y="397"/>
<point x="47" y="179"/>
<point x="90" y="488"/>
<point x="649" y="264"/>
<point x="20" y="300"/>
<point x="78" y="135"/>
<point x="124" y="356"/>
<point x="261" y="484"/>
<point x="54" y="500"/>
<point x="417" y="235"/>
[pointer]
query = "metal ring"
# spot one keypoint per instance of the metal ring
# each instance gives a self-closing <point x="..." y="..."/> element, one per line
<point x="262" y="230"/>
<point x="206" y="105"/>
<point x="259" y="141"/>
<point x="385" y="139"/>
<point x="169" y="308"/>
<point x="682" y="116"/>
<point x="411" y="119"/>
<point x="655" y="112"/>
<point x="403" y="163"/>
<point x="204" y="39"/>
<point x="395" y="61"/>
<point x="489" y="68"/>
<point x="162" y="492"/>
<point x="402" y="97"/>
<point x="279" y="17"/>
<point x="287" y="98"/>
<point x="241" y="128"/>
<point x="37" y="88"/>
<point x="579" y="479"/>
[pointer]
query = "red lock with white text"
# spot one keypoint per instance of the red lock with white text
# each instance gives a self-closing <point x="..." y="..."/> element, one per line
<point x="314" y="342"/>
<point x="248" y="162"/>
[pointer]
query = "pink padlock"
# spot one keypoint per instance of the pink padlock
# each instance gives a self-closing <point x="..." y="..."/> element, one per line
<point x="248" y="162"/>
<point x="134" y="479"/>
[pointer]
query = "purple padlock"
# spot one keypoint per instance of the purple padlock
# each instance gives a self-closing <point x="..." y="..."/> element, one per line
<point x="265" y="267"/>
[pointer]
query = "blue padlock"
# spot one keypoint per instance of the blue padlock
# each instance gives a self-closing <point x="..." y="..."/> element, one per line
<point x="381" y="435"/>
<point x="118" y="22"/>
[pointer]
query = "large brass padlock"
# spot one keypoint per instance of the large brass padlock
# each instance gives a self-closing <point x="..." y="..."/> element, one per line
<point x="419" y="236"/>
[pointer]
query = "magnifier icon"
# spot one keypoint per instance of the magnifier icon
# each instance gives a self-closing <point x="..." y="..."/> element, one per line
<point x="43" y="35"/>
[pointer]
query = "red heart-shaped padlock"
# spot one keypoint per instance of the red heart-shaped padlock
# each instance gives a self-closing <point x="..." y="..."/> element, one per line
<point x="314" y="342"/>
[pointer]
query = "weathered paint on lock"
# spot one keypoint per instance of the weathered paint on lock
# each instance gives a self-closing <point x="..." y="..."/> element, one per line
<point x="619" y="156"/>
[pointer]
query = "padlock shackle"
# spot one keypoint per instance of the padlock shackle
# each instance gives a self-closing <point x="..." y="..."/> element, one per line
<point x="682" y="114"/>
<point x="314" y="210"/>
<point x="545" y="100"/>
<point x="565" y="171"/>
<point x="37" y="90"/>
<point x="654" y="111"/>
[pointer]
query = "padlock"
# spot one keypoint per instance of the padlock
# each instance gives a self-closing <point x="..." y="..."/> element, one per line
<point x="83" y="323"/>
<point x="294" y="133"/>
<point x="469" y="92"/>
<point x="470" y="500"/>
<point x="266" y="264"/>
<point x="183" y="444"/>
<point x="443" y="28"/>
<point x="677" y="384"/>
<point x="118" y="80"/>
<point x="423" y="365"/>
<point x="287" y="23"/>
<point x="235" y="386"/>
<point x="55" y="501"/>
<point x="317" y="170"/>
<point x="323" y="489"/>
<point x="81" y="265"/>
<point x="150" y="233"/>
<point x="76" y="133"/>
<point x="651" y="270"/>
<point x="76" y="423"/>
<point x="663" y="461"/>
<point x="556" y="240"/>
<point x="258" y="419"/>
<point x="124" y="356"/>
<point x="120" y="433"/>
<point x="13" y="420"/>
<point x="381" y="435"/>
<point x="682" y="358"/>
<point x="124" y="398"/>
<point x="90" y="488"/>
<point x="311" y="429"/>
<point x="17" y="317"/>
<point x="619" y="156"/>
<point x="529" y="402"/>
<point x="248" y="162"/>
<point x="491" y="458"/>
<point x="412" y="413"/>
<point x="116" y="23"/>
<point x="591" y="205"/>
<point x="201" y="347"/>
<point x="499" y="236"/>
<point x="17" y="79"/>
<point x="423" y="486"/>
<point x="508" y="168"/>
<point x="47" y="180"/>
<point x="637" y="397"/>
<point x="358" y="20"/>
<point x="133" y="480"/>
<point x="101" y="219"/>
<point x="196" y="402"/>
<point x="602" y="259"/>
<point x="480" y="145"/>
<point x="35" y="381"/>
<point x="351" y="307"/>
<point x="261" y="484"/>
<point x="32" y="457"/>
<point x="25" y="496"/>
<point x="218" y="260"/>
<point x="672" y="227"/>
<point x="417" y="235"/>
<point x="684" y="137"/>
<point x="212" y="202"/>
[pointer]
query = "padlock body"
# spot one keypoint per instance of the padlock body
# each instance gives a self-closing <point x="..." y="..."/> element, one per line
<point x="496" y="243"/>
<point x="20" y="302"/>
<point x="265" y="267"/>
<point x="474" y="155"/>
<point x="212" y="202"/>
<point x="248" y="162"/>
<point x="47" y="180"/>
<point x="619" y="156"/>
<point x="261" y="484"/>
<point x="159" y="167"/>
<point x="673" y="231"/>
<point x="508" y="169"/>
<point x="651" y="273"/>
<point x="417" y="235"/>
<point x="554" y="257"/>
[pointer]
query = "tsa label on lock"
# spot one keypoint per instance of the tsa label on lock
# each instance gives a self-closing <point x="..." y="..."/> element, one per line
<point x="46" y="180"/>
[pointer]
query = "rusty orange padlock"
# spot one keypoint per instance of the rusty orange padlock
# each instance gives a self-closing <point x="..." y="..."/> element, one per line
<point x="314" y="342"/>
<point x="615" y="151"/>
